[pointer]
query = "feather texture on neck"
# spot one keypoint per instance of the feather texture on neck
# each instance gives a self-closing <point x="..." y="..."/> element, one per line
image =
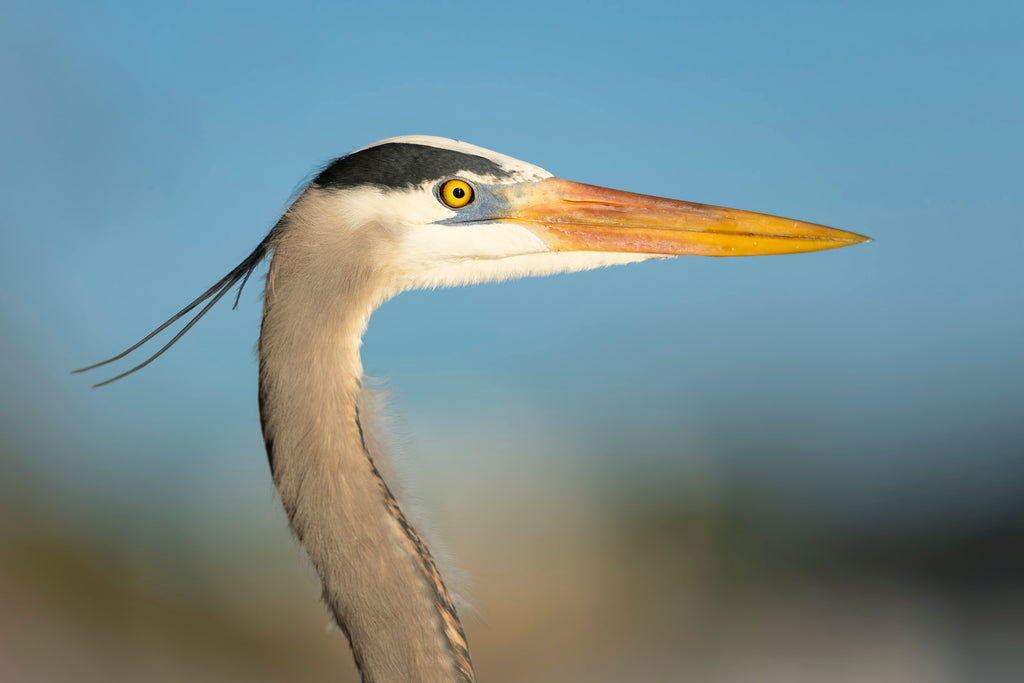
<point x="379" y="579"/>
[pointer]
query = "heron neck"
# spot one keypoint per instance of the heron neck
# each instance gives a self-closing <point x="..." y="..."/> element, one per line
<point x="379" y="579"/>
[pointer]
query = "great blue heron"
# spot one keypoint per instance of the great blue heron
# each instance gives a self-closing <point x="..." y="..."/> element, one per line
<point x="405" y="213"/>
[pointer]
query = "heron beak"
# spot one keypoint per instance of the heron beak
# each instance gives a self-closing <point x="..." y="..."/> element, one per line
<point x="571" y="216"/>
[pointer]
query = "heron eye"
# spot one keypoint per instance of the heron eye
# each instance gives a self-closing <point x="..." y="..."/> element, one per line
<point x="456" y="193"/>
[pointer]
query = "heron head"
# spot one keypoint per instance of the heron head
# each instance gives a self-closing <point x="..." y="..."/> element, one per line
<point x="430" y="211"/>
<point x="417" y="211"/>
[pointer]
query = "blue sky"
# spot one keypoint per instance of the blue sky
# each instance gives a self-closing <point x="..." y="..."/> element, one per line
<point x="148" y="149"/>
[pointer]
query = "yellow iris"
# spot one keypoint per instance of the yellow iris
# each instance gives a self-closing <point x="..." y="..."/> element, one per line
<point x="456" y="193"/>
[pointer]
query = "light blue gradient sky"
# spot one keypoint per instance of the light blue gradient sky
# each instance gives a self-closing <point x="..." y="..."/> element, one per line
<point x="147" y="150"/>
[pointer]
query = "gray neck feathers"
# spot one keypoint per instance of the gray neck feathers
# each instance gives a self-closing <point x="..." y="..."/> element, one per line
<point x="379" y="579"/>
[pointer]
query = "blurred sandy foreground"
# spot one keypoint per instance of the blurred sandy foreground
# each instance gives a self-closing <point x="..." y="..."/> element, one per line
<point x="582" y="583"/>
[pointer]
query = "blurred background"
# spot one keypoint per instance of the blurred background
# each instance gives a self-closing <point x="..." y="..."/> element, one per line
<point x="798" y="468"/>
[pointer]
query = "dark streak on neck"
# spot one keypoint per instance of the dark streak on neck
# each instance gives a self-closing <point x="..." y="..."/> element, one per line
<point x="452" y="626"/>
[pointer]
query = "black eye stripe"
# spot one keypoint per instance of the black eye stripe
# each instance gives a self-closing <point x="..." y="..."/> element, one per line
<point x="402" y="165"/>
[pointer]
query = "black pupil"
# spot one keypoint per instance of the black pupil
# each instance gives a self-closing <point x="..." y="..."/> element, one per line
<point x="458" y="192"/>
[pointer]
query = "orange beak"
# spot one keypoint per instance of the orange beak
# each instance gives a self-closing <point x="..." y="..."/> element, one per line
<point x="571" y="216"/>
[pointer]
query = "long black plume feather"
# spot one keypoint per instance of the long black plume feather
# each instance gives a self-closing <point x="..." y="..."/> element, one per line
<point x="241" y="272"/>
